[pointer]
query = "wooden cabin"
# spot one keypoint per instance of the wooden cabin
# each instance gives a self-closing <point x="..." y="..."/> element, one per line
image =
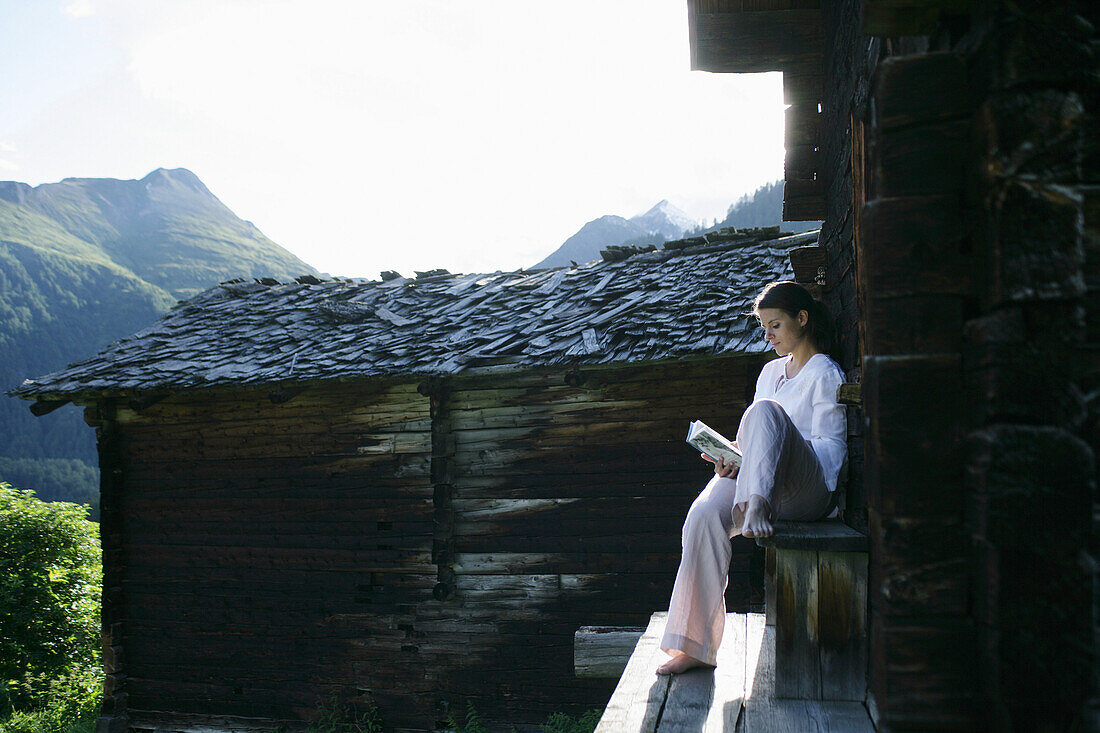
<point x="952" y="150"/>
<point x="410" y="492"/>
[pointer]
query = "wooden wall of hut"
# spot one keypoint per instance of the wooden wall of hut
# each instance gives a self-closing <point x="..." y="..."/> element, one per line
<point x="960" y="158"/>
<point x="419" y="544"/>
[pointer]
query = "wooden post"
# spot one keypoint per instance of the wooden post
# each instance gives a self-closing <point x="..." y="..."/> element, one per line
<point x="819" y="608"/>
<point x="113" y="716"/>
<point x="442" y="470"/>
<point x="842" y="624"/>
<point x="797" y="647"/>
<point x="769" y="586"/>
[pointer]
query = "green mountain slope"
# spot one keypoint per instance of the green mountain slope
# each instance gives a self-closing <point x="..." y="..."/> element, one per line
<point x="762" y="208"/>
<point x="84" y="262"/>
<point x="167" y="228"/>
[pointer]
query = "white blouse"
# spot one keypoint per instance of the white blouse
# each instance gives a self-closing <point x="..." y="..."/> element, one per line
<point x="809" y="399"/>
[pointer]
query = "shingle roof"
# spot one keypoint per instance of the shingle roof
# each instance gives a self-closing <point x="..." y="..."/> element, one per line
<point x="686" y="299"/>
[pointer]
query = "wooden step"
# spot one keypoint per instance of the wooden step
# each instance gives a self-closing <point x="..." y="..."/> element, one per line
<point x="735" y="697"/>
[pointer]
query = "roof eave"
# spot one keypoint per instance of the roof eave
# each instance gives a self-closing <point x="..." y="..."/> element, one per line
<point x="750" y="41"/>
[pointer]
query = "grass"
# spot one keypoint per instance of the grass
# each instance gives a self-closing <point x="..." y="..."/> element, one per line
<point x="68" y="704"/>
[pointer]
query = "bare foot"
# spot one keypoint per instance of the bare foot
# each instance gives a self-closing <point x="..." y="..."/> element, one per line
<point x="681" y="662"/>
<point x="757" y="518"/>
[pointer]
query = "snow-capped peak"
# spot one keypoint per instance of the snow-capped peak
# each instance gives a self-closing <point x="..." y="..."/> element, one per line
<point x="665" y="219"/>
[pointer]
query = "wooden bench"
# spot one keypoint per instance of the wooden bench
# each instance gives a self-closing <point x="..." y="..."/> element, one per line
<point x="815" y="582"/>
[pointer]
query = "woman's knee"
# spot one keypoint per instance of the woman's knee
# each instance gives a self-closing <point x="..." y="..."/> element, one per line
<point x="768" y="411"/>
<point x="707" y="513"/>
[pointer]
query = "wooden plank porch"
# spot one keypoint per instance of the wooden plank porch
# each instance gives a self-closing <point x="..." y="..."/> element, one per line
<point x="735" y="697"/>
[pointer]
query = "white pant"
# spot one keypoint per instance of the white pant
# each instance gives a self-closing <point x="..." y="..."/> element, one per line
<point x="777" y="463"/>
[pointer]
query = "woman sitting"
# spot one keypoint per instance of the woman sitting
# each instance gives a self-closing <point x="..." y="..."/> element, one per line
<point x="793" y="441"/>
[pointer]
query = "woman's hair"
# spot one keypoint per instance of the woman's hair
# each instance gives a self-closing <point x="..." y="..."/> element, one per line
<point x="790" y="297"/>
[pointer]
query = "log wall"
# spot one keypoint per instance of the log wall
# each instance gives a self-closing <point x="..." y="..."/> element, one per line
<point x="568" y="503"/>
<point x="419" y="544"/>
<point x="255" y="540"/>
<point x="960" y="167"/>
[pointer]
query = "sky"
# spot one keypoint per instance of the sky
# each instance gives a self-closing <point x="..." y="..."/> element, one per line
<point x="369" y="135"/>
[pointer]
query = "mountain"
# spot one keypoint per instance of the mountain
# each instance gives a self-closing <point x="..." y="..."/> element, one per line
<point x="665" y="219"/>
<point x="87" y="261"/>
<point x="167" y="228"/>
<point x="662" y="222"/>
<point x="585" y="245"/>
<point x="762" y="208"/>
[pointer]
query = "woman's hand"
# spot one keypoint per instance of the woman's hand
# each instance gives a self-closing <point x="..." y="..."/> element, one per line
<point x="721" y="468"/>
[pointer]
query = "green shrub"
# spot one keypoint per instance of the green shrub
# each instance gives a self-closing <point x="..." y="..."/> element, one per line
<point x="471" y="724"/>
<point x="50" y="581"/>
<point x="64" y="704"/>
<point x="556" y="723"/>
<point x="562" y="723"/>
<point x="336" y="717"/>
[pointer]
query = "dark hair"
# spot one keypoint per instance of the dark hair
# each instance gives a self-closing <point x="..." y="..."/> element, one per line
<point x="790" y="297"/>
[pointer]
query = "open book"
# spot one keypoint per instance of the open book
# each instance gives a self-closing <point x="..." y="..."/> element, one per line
<point x="708" y="440"/>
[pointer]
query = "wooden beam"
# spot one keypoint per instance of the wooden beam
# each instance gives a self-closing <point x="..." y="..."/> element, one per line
<point x="803" y="200"/>
<point x="809" y="263"/>
<point x="907" y="17"/>
<point x="757" y="41"/>
<point x="143" y="400"/>
<point x="46" y="406"/>
<point x="803" y="85"/>
<point x="919" y="246"/>
<point x="603" y="651"/>
<point x="831" y="535"/>
<point x="711" y="701"/>
<point x="801" y="162"/>
<point x="283" y="395"/>
<point x="796" y="188"/>
<point x="801" y="124"/>
<point x="920" y="89"/>
<point x="809" y="208"/>
<point x="904" y="425"/>
<point x="925" y="160"/>
<point x="442" y="476"/>
<point x="850" y="393"/>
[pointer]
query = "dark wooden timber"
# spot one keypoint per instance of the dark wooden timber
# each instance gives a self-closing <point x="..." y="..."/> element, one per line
<point x="956" y="164"/>
<point x="413" y="543"/>
<point x="45" y="407"/>
<point x="753" y="41"/>
<point x="817" y="594"/>
<point x="809" y="264"/>
<point x="603" y="651"/>
<point x="908" y="17"/>
<point x="829" y="535"/>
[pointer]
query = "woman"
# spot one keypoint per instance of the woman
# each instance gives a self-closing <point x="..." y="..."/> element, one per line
<point x="792" y="440"/>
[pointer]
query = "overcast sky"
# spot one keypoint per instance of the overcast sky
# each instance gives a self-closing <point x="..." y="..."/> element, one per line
<point x="364" y="135"/>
